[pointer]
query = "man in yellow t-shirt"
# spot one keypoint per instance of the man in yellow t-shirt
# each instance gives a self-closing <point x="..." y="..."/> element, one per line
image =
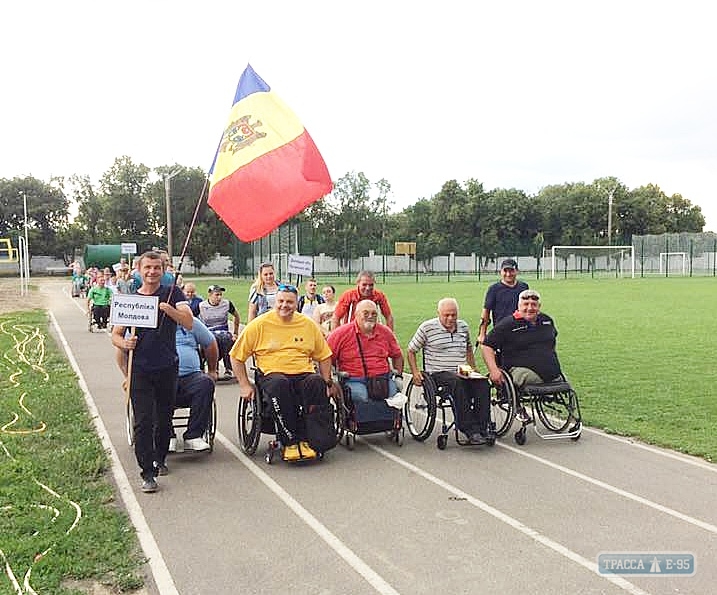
<point x="285" y="344"/>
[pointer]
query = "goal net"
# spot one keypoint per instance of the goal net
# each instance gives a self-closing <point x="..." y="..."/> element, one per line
<point x="670" y="262"/>
<point x="618" y="261"/>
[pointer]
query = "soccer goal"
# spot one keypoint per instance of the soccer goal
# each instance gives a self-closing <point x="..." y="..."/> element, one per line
<point x="617" y="260"/>
<point x="666" y="259"/>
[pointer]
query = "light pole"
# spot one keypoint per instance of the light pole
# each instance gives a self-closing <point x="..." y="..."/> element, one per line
<point x="167" y="187"/>
<point x="609" y="215"/>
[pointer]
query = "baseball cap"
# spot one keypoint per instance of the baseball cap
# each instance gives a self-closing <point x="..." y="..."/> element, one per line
<point x="508" y="263"/>
<point x="213" y="288"/>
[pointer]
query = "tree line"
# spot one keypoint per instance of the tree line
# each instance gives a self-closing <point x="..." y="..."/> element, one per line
<point x="129" y="205"/>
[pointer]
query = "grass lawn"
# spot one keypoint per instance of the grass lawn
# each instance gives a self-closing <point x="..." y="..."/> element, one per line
<point x="58" y="516"/>
<point x="638" y="351"/>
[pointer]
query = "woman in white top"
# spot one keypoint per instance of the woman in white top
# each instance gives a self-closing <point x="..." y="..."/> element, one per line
<point x="263" y="291"/>
<point x="323" y="312"/>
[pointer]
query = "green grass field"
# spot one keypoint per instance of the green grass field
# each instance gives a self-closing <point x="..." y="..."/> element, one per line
<point x="636" y="350"/>
<point x="58" y="515"/>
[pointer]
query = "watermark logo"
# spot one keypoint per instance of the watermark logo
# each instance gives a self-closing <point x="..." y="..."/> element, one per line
<point x="647" y="563"/>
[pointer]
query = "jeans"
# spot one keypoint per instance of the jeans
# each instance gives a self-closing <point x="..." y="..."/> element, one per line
<point x="196" y="391"/>
<point x="100" y="314"/>
<point x="152" y="395"/>
<point x="224" y="343"/>
<point x="368" y="409"/>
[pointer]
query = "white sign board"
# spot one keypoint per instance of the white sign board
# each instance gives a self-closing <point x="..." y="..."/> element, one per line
<point x="128" y="248"/>
<point x="131" y="309"/>
<point x="301" y="265"/>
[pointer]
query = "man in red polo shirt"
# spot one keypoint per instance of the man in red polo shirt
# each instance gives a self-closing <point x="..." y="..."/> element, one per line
<point x="346" y="306"/>
<point x="378" y="344"/>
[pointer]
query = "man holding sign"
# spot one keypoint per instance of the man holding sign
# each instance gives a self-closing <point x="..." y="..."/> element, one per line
<point x="152" y="369"/>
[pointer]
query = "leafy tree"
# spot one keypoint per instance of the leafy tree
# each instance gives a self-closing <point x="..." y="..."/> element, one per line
<point x="355" y="221"/>
<point x="187" y="189"/>
<point x="201" y="247"/>
<point x="90" y="217"/>
<point x="47" y="212"/>
<point x="123" y="191"/>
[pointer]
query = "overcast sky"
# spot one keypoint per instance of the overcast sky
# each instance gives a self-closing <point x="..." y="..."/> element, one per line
<point x="518" y="94"/>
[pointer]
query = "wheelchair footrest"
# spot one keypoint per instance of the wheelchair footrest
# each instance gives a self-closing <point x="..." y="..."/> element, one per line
<point x="573" y="432"/>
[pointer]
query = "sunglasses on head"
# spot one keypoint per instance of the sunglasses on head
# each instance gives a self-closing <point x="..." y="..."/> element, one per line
<point x="533" y="298"/>
<point x="290" y="288"/>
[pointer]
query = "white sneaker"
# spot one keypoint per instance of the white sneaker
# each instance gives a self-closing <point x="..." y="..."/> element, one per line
<point x="172" y="445"/>
<point x="196" y="444"/>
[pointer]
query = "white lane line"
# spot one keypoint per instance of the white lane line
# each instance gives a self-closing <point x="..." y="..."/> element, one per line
<point x="634" y="442"/>
<point x="615" y="490"/>
<point x="370" y="575"/>
<point x="620" y="582"/>
<point x="160" y="572"/>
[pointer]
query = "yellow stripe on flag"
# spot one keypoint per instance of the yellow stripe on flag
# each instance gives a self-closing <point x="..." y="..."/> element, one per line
<point x="257" y="125"/>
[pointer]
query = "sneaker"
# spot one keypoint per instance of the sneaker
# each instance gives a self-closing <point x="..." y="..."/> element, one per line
<point x="161" y="468"/>
<point x="477" y="438"/>
<point x="172" y="445"/>
<point x="149" y="484"/>
<point x="228" y="375"/>
<point x="291" y="453"/>
<point x="306" y="451"/>
<point x="196" y="444"/>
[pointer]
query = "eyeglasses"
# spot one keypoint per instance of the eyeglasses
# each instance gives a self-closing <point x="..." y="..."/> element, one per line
<point x="290" y="288"/>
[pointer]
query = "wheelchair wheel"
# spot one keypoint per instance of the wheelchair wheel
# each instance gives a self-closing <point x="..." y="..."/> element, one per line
<point x="129" y="422"/>
<point x="502" y="405"/>
<point x="558" y="410"/>
<point x="420" y="409"/>
<point x="249" y="423"/>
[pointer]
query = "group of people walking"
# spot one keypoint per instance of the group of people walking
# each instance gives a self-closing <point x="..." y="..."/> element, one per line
<point x="297" y="341"/>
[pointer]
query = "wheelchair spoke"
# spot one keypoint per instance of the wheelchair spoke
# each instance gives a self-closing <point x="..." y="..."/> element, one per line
<point x="555" y="411"/>
<point x="502" y="406"/>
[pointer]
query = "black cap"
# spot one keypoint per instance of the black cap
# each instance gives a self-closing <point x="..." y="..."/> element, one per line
<point x="213" y="288"/>
<point x="508" y="263"/>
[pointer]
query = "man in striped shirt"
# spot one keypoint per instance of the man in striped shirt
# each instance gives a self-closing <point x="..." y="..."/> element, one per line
<point x="446" y="345"/>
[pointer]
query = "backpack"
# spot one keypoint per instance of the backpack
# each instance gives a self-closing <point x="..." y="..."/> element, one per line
<point x="320" y="425"/>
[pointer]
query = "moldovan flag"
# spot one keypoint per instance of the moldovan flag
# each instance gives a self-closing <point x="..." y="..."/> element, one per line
<point x="267" y="169"/>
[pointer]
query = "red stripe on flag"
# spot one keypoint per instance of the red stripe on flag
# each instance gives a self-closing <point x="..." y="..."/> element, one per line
<point x="261" y="195"/>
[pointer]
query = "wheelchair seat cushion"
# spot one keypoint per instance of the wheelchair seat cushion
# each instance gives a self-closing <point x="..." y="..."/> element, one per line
<point x="548" y="388"/>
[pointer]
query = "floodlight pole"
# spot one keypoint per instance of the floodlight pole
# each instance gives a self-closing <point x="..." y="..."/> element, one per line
<point x="167" y="187"/>
<point x="610" y="196"/>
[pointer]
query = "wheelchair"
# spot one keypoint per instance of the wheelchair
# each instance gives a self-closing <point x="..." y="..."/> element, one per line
<point x="93" y="319"/>
<point x="254" y="418"/>
<point x="79" y="287"/>
<point x="349" y="426"/>
<point x="421" y="411"/>
<point x="555" y="404"/>
<point x="180" y="419"/>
